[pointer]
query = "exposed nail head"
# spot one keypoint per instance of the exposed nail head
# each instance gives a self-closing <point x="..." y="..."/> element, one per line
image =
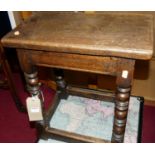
<point x="16" y="33"/>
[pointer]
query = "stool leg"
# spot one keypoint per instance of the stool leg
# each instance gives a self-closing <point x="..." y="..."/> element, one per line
<point x="61" y="83"/>
<point x="33" y="88"/>
<point x="32" y="83"/>
<point x="124" y="82"/>
<point x="121" y="111"/>
<point x="31" y="75"/>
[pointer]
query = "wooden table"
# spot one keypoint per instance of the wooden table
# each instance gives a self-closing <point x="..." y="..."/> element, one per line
<point x="104" y="43"/>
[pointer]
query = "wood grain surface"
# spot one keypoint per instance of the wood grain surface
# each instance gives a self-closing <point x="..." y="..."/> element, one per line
<point x="106" y="34"/>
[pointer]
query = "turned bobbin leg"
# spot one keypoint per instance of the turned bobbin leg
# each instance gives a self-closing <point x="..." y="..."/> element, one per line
<point x="32" y="83"/>
<point x="34" y="89"/>
<point x="124" y="82"/>
<point x="121" y="111"/>
<point x="61" y="83"/>
<point x="30" y="73"/>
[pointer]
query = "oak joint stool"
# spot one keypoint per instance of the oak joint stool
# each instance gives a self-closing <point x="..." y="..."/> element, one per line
<point x="103" y="43"/>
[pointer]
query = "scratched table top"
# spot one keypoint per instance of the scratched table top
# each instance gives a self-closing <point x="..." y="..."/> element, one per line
<point x="126" y="35"/>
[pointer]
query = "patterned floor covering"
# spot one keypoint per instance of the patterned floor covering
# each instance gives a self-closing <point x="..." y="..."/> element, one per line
<point x="93" y="118"/>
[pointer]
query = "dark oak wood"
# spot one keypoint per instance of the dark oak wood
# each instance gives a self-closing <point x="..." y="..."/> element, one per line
<point x="104" y="43"/>
<point x="122" y="99"/>
<point x="61" y="83"/>
<point x="87" y="63"/>
<point x="49" y="113"/>
<point x="90" y="93"/>
<point x="107" y="34"/>
<point x="31" y="77"/>
<point x="75" y="136"/>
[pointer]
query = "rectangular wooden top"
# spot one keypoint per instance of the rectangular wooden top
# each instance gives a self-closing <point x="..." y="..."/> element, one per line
<point x="105" y="34"/>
